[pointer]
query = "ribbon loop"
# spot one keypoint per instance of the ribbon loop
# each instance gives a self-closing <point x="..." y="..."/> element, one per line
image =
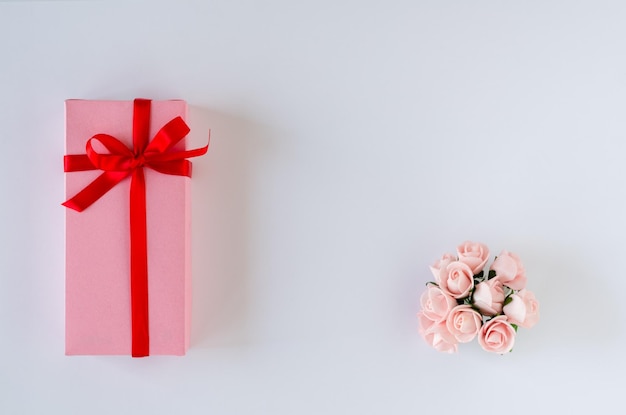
<point x="168" y="136"/>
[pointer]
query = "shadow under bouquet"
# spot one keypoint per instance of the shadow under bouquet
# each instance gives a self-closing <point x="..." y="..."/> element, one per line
<point x="469" y="300"/>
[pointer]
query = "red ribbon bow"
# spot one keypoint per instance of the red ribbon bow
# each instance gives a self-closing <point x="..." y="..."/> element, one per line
<point x="120" y="163"/>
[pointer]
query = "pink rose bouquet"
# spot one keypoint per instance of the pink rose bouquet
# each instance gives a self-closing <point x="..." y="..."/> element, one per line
<point x="467" y="300"/>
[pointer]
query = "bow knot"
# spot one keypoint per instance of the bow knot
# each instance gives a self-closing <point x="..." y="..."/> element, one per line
<point x="138" y="161"/>
<point x="120" y="161"/>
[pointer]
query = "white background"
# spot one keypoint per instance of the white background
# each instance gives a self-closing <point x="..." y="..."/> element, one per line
<point x="353" y="142"/>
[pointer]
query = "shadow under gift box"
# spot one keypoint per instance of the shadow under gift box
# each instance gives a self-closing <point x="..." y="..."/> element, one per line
<point x="98" y="303"/>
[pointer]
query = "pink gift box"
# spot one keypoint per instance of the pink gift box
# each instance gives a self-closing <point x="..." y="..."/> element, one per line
<point x="98" y="304"/>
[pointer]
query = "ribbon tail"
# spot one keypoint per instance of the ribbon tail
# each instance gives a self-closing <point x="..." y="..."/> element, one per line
<point x="175" y="163"/>
<point x="195" y="152"/>
<point x="77" y="162"/>
<point x="178" y="154"/>
<point x="139" y="266"/>
<point x="95" y="190"/>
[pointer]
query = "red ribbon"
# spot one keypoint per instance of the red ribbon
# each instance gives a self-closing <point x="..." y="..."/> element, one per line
<point x="120" y="163"/>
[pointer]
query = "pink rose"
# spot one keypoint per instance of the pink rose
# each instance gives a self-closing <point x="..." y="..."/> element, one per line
<point x="437" y="335"/>
<point x="441" y="263"/>
<point x="436" y="304"/>
<point x="423" y="323"/>
<point x="509" y="270"/>
<point x="456" y="279"/>
<point x="523" y="309"/>
<point x="464" y="323"/>
<point x="489" y="296"/>
<point x="497" y="335"/>
<point x="474" y="254"/>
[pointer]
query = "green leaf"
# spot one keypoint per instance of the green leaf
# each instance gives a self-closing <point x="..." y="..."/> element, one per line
<point x="515" y="327"/>
<point x="432" y="283"/>
<point x="480" y="275"/>
<point x="507" y="300"/>
<point x="491" y="274"/>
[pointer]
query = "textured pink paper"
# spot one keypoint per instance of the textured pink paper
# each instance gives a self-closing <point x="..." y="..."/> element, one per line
<point x="98" y="317"/>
